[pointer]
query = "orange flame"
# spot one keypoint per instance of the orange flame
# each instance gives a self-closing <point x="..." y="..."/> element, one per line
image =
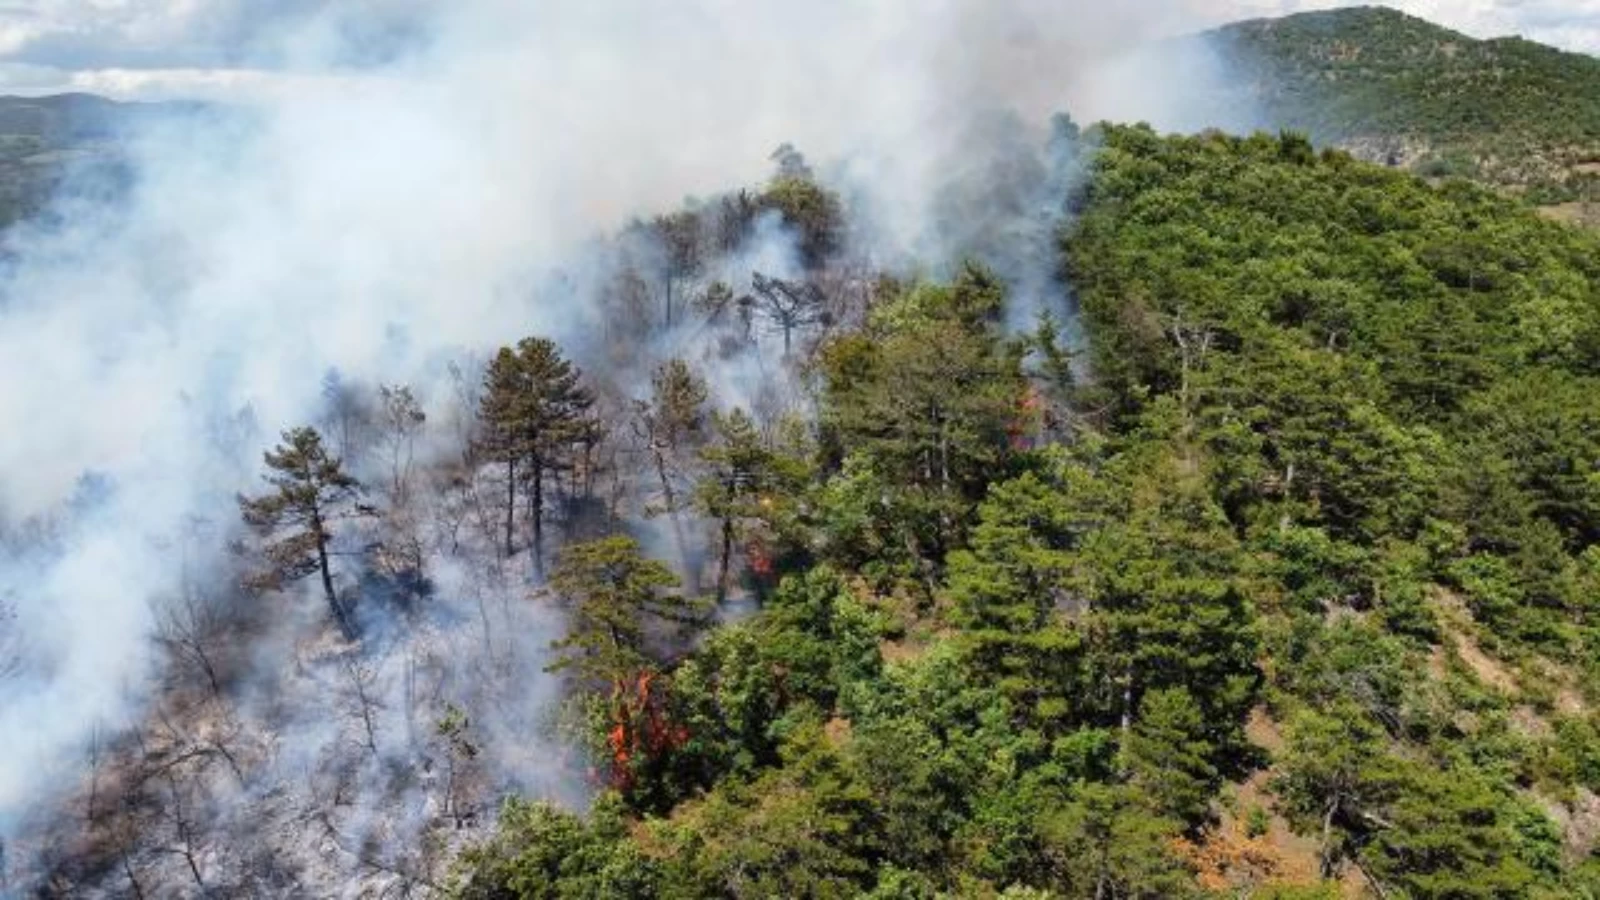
<point x="1022" y="427"/>
<point x="640" y="728"/>
<point x="760" y="560"/>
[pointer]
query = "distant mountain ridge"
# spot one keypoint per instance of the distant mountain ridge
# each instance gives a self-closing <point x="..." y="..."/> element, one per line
<point x="1399" y="89"/>
<point x="42" y="139"/>
<point x="1387" y="86"/>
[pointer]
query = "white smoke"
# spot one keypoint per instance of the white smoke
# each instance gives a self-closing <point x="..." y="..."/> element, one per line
<point x="383" y="218"/>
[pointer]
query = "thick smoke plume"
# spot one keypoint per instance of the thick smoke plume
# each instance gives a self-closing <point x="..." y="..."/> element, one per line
<point x="394" y="221"/>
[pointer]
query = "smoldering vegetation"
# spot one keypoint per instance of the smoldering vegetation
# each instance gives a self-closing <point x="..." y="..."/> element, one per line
<point x="182" y="720"/>
<point x="277" y="748"/>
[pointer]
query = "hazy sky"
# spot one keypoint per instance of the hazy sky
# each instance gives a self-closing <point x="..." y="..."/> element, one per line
<point x="162" y="47"/>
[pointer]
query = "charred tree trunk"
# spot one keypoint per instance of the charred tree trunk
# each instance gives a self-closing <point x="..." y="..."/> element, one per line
<point x="691" y="574"/>
<point x="321" y="535"/>
<point x="511" y="502"/>
<point x="133" y="880"/>
<point x="538" y="516"/>
<point x="724" y="567"/>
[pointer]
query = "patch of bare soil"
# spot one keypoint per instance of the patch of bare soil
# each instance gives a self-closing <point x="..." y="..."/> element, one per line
<point x="1459" y="623"/>
<point x="900" y="651"/>
<point x="1579" y="212"/>
<point x="837" y="731"/>
<point x="1579" y="820"/>
<point x="1263" y="731"/>
<point x="1487" y="669"/>
<point x="1229" y="858"/>
<point x="1528" y="721"/>
<point x="1570" y="702"/>
<point x="1252" y="847"/>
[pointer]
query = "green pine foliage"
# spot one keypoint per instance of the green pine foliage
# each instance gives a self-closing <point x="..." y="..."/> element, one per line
<point x="1333" y="466"/>
<point x="311" y="492"/>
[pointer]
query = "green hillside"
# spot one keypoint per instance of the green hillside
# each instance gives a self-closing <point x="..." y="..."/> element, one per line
<point x="1296" y="598"/>
<point x="1398" y="89"/>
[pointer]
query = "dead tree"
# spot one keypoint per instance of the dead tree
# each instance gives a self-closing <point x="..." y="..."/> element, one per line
<point x="187" y="627"/>
<point x="401" y="419"/>
<point x="788" y="306"/>
<point x="1194" y="340"/>
<point x="347" y="417"/>
<point x="679" y="235"/>
<point x="459" y="752"/>
<point x="183" y="828"/>
<point x="361" y="697"/>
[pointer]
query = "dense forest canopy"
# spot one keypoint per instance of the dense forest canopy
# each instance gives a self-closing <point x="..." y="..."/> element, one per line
<point x="1315" y="556"/>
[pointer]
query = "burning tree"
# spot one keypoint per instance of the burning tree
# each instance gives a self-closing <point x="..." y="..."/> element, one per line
<point x="639" y="729"/>
<point x="614" y="592"/>
<point x="311" y="490"/>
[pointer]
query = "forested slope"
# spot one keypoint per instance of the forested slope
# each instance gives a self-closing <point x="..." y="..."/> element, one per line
<point x="820" y="580"/>
<point x="1391" y="391"/>
<point x="1398" y="88"/>
<point x="1288" y="588"/>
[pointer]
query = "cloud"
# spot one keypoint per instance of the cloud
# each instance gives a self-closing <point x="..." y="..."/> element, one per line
<point x="193" y="44"/>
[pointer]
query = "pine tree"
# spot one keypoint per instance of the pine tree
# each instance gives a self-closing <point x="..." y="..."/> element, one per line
<point x="671" y="421"/>
<point x="1010" y="588"/>
<point x="1449" y="834"/>
<point x="613" y="591"/>
<point x="501" y="437"/>
<point x="737" y="463"/>
<point x="1335" y="780"/>
<point x="311" y="489"/>
<point x="788" y="306"/>
<point x="932" y="400"/>
<point x="1163" y="608"/>
<point x="1168" y="756"/>
<point x="1111" y="844"/>
<point x="534" y="409"/>
<point x="556" y="417"/>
